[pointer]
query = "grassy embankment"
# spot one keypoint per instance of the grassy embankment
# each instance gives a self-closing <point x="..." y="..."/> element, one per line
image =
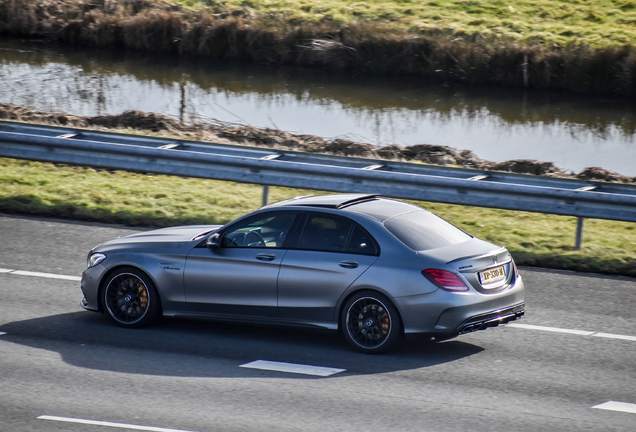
<point x="576" y="45"/>
<point x="597" y="23"/>
<point x="156" y="200"/>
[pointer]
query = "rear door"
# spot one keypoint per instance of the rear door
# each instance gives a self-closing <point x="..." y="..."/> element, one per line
<point x="330" y="254"/>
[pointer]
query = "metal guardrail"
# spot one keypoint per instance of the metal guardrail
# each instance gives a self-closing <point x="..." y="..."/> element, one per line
<point x="583" y="199"/>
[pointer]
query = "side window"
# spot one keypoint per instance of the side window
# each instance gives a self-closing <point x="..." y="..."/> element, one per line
<point x="266" y="230"/>
<point x="361" y="242"/>
<point x="325" y="232"/>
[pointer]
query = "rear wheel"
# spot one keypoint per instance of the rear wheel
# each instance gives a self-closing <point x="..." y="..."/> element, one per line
<point x="370" y="323"/>
<point x="130" y="298"/>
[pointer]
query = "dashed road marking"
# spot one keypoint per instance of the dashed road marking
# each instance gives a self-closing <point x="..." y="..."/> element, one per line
<point x="615" y="336"/>
<point x="109" y="424"/>
<point x="551" y="329"/>
<point x="3" y="333"/>
<point x="40" y="274"/>
<point x="617" y="406"/>
<point x="572" y="331"/>
<point x="292" y="368"/>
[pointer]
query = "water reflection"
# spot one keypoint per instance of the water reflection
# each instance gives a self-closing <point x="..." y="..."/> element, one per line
<point x="573" y="132"/>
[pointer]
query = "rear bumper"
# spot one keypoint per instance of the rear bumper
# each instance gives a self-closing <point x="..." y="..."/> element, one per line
<point x="492" y="319"/>
<point x="489" y="311"/>
<point x="447" y="314"/>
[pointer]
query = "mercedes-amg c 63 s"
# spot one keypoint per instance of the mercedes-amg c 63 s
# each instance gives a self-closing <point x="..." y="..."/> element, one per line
<point x="372" y="267"/>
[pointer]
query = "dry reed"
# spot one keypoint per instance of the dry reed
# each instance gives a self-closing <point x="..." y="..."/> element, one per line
<point x="359" y="48"/>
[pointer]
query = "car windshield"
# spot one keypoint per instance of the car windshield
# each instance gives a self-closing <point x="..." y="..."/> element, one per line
<point x="421" y="230"/>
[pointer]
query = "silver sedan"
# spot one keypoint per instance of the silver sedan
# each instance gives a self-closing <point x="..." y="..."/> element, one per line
<point x="372" y="267"/>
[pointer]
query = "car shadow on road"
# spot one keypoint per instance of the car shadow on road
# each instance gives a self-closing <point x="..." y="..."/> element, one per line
<point x="190" y="348"/>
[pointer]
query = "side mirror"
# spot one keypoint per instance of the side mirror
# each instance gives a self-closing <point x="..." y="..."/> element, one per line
<point x="214" y="241"/>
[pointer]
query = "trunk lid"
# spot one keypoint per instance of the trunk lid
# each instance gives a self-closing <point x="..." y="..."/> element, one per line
<point x="486" y="267"/>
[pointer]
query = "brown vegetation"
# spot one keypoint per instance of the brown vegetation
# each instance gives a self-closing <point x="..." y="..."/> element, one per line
<point x="367" y="48"/>
<point x="272" y="138"/>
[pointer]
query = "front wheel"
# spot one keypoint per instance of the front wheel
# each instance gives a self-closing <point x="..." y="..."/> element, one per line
<point x="370" y="323"/>
<point x="130" y="298"/>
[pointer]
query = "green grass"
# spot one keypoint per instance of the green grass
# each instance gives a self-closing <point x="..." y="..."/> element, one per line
<point x="34" y="188"/>
<point x="598" y="23"/>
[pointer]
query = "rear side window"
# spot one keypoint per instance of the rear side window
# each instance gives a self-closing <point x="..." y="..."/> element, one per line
<point x="361" y="242"/>
<point x="329" y="233"/>
<point x="421" y="230"/>
<point x="324" y="232"/>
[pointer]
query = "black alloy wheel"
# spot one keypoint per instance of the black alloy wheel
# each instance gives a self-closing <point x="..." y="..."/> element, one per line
<point x="130" y="298"/>
<point x="370" y="323"/>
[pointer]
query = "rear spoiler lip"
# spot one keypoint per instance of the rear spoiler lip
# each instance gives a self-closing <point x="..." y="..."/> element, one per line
<point x="491" y="253"/>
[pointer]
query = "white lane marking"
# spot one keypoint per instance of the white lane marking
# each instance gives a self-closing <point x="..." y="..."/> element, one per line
<point x="615" y="336"/>
<point x="617" y="406"/>
<point x="571" y="331"/>
<point x="292" y="368"/>
<point x="3" y="333"/>
<point x="551" y="329"/>
<point x="109" y="424"/>
<point x="42" y="275"/>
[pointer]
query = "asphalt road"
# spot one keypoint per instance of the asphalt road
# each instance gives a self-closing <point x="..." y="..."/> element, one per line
<point x="58" y="360"/>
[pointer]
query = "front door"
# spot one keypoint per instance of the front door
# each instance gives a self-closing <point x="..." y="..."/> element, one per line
<point x="240" y="277"/>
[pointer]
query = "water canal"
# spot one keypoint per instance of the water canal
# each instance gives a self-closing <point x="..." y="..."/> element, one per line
<point x="573" y="132"/>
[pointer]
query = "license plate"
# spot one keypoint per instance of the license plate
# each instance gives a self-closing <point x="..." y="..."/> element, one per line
<point x="492" y="276"/>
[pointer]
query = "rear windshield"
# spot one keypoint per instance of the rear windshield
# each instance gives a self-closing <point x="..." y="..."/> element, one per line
<point x="421" y="230"/>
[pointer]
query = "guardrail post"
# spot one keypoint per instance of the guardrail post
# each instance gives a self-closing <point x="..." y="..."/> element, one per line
<point x="579" y="233"/>
<point x="265" y="194"/>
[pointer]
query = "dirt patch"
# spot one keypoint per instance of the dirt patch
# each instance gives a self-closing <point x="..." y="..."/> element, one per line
<point x="600" y="174"/>
<point x="225" y="133"/>
<point x="350" y="148"/>
<point x="138" y="120"/>
<point x="442" y="155"/>
<point x="528" y="166"/>
<point x="23" y="114"/>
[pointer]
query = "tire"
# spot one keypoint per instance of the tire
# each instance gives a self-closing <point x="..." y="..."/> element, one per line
<point x="130" y="298"/>
<point x="370" y="323"/>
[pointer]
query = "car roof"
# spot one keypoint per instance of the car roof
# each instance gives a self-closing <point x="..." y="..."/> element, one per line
<point x="336" y="201"/>
<point x="372" y="205"/>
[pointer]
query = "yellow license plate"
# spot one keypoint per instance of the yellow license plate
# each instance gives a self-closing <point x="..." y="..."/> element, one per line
<point x="492" y="276"/>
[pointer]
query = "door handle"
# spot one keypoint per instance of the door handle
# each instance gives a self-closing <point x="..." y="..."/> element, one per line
<point x="348" y="264"/>
<point x="265" y="257"/>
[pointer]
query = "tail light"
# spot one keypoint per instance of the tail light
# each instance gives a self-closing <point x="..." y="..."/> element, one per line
<point x="514" y="266"/>
<point x="445" y="280"/>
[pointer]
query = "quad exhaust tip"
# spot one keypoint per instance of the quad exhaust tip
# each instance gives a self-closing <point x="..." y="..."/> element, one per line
<point x="493" y="322"/>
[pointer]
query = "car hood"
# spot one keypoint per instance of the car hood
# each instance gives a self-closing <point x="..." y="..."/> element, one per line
<point x="178" y="234"/>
